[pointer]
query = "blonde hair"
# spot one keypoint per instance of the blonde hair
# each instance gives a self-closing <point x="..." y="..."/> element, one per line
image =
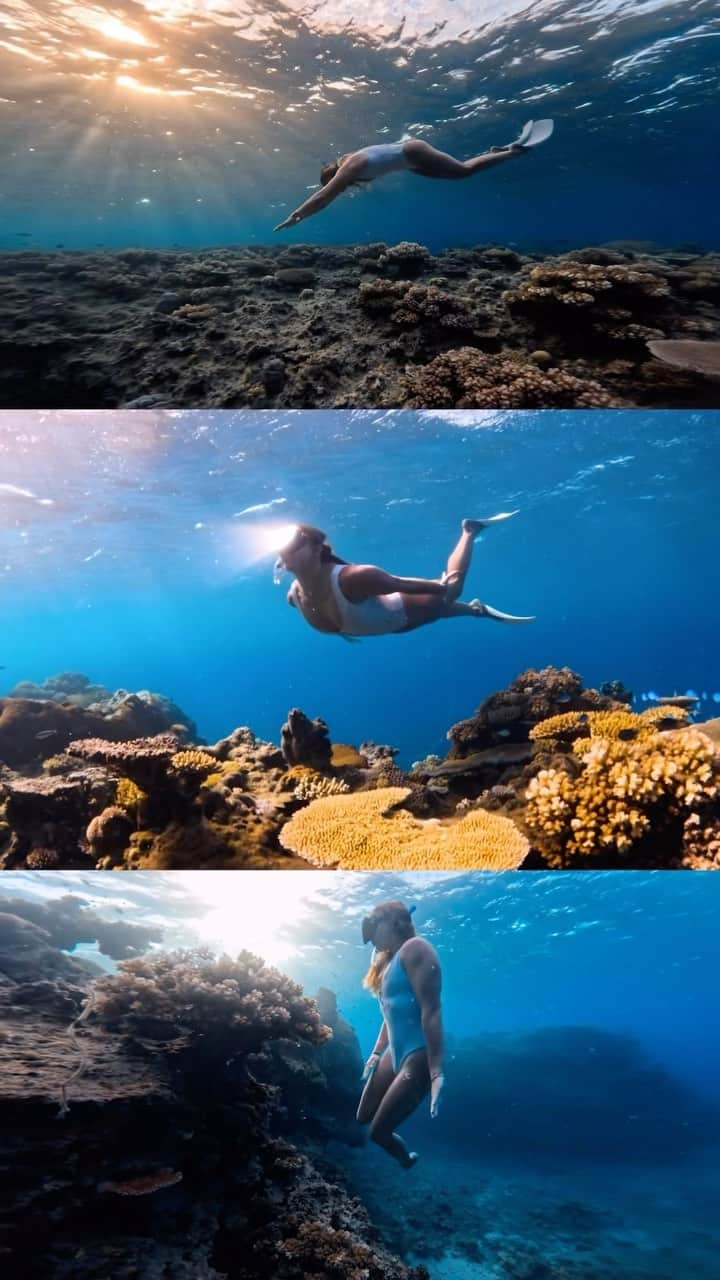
<point x="397" y="914"/>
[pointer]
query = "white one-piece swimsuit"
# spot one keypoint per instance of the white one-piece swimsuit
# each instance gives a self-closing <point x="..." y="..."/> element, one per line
<point x="376" y="616"/>
<point x="384" y="157"/>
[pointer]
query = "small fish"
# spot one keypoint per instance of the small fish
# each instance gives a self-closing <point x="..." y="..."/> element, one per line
<point x="259" y="506"/>
<point x="564" y="697"/>
<point x="677" y="700"/>
<point x="627" y="734"/>
<point x="503" y="733"/>
<point x="46" y="733"/>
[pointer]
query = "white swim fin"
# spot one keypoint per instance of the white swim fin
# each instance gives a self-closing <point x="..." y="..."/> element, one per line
<point x="534" y="132"/>
<point x="476" y="526"/>
<point x="487" y="611"/>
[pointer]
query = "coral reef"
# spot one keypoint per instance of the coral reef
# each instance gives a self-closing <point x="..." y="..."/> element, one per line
<point x="627" y="804"/>
<point x="467" y="379"/>
<point x="150" y="1173"/>
<point x="33" y="729"/>
<point x="510" y="715"/>
<point x="370" y="830"/>
<point x="311" y="326"/>
<point x="244" y="803"/>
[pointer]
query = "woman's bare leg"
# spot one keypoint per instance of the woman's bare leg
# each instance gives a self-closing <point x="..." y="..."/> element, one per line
<point x="459" y="559"/>
<point x="431" y="163"/>
<point x="420" y="610"/>
<point x="410" y="1086"/>
<point x="375" y="1089"/>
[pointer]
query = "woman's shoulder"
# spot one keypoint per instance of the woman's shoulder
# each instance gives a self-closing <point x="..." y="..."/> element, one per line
<point x="417" y="949"/>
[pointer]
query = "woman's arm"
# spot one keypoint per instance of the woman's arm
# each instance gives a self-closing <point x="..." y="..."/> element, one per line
<point x="346" y="174"/>
<point x="380" y="1045"/>
<point x="359" y="581"/>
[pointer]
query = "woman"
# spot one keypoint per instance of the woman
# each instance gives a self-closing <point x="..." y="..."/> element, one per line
<point x="412" y="154"/>
<point x="407" y="1060"/>
<point x="353" y="600"/>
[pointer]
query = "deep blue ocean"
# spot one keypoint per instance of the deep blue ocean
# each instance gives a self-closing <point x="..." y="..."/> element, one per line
<point x="136" y="547"/>
<point x="196" y="122"/>
<point x="580" y="1119"/>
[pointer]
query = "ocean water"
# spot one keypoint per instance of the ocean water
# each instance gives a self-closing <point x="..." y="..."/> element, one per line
<point x="137" y="547"/>
<point x="195" y="122"/>
<point x="580" y="1124"/>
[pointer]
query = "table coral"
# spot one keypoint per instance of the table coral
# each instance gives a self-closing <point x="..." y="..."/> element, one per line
<point x="465" y="378"/>
<point x="628" y="797"/>
<point x="621" y="724"/>
<point x="367" y="831"/>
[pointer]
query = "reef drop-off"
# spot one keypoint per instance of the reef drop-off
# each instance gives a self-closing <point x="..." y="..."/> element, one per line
<point x="376" y="325"/>
<point x="155" y="1141"/>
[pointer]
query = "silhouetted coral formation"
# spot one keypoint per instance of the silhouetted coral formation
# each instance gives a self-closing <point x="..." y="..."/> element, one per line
<point x="310" y="326"/>
<point x="169" y="1163"/>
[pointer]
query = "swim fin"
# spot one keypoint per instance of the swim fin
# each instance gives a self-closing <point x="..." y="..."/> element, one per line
<point x="533" y="133"/>
<point x="476" y="526"/>
<point x="487" y="611"/>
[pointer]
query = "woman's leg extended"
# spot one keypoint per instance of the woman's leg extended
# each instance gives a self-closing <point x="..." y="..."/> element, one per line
<point x="459" y="559"/>
<point x="410" y="1086"/>
<point x="431" y="163"/>
<point x="375" y="1089"/>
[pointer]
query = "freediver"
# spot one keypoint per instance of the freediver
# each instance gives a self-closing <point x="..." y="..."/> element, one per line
<point x="351" y="600"/>
<point x="414" y="155"/>
<point x="407" y="1059"/>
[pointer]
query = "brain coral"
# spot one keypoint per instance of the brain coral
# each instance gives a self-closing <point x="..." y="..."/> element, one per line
<point x="627" y="791"/>
<point x="357" y="833"/>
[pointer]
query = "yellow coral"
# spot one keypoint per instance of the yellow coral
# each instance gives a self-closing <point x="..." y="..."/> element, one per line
<point x="627" y="790"/>
<point x="357" y="833"/>
<point x="128" y="795"/>
<point x="194" y="761"/>
<point x="607" y="724"/>
<point x="220" y="772"/>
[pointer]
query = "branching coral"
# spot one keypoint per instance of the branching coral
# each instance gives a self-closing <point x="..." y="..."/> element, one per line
<point x="236" y="1004"/>
<point x="128" y="795"/>
<point x="626" y="792"/>
<point x="193" y="762"/>
<point x="405" y="259"/>
<point x="314" y="786"/>
<point x="367" y="831"/>
<point x="467" y="379"/>
<point x="580" y="287"/>
<point x="701" y="842"/>
<point x="408" y="305"/>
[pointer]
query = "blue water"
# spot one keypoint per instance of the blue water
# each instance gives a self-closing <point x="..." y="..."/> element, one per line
<point x="128" y="551"/>
<point x="198" y="121"/>
<point x="613" y="1170"/>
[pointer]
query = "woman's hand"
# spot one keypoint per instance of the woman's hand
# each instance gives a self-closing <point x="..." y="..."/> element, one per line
<point x="437" y="1085"/>
<point x="291" y="221"/>
<point x="370" y="1065"/>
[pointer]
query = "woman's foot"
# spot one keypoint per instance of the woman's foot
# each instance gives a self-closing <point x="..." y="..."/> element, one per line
<point x="476" y="526"/>
<point x="411" y="1161"/>
<point x="481" y="610"/>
